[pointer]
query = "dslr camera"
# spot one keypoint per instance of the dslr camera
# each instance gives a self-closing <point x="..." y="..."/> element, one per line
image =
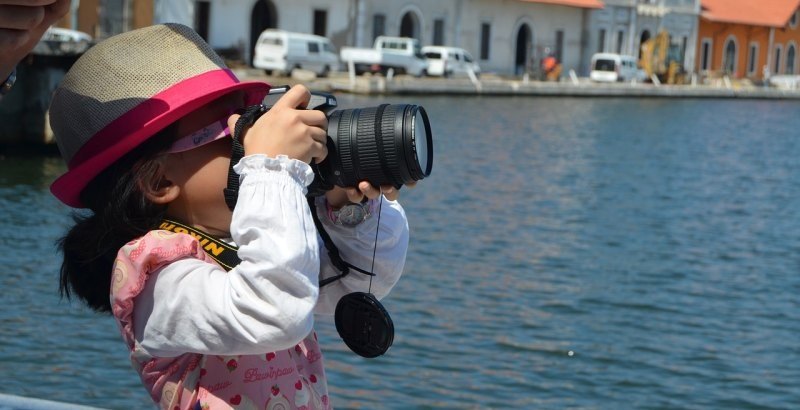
<point x="390" y="144"/>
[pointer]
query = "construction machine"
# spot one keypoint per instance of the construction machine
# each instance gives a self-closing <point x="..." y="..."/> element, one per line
<point x="662" y="59"/>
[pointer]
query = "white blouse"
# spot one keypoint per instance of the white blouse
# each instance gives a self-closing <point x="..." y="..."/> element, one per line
<point x="268" y="301"/>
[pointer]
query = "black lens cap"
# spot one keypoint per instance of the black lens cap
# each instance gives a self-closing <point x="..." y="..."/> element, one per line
<point x="364" y="325"/>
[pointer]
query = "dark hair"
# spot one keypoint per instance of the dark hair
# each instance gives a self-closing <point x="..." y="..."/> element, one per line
<point x="120" y="212"/>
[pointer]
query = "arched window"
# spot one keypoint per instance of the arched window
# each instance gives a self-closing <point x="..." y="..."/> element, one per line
<point x="409" y="26"/>
<point x="791" y="55"/>
<point x="730" y="57"/>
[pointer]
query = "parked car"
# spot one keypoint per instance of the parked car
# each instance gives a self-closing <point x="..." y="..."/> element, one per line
<point x="446" y="61"/>
<point x="280" y="51"/>
<point x="610" y="68"/>
<point x="402" y="54"/>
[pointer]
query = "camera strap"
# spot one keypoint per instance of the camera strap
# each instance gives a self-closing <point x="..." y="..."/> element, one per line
<point x="246" y="120"/>
<point x="361" y="321"/>
<point x="225" y="254"/>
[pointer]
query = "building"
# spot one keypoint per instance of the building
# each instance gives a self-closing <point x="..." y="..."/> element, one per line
<point x="748" y="39"/>
<point x="622" y="26"/>
<point x="507" y="36"/>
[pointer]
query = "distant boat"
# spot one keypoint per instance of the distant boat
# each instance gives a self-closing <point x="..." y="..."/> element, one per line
<point x="58" y="41"/>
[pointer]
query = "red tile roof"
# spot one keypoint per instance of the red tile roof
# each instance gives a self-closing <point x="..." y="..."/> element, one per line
<point x="584" y="4"/>
<point x="770" y="13"/>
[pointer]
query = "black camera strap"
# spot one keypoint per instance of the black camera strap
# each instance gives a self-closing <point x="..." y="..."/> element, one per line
<point x="361" y="321"/>
<point x="246" y="120"/>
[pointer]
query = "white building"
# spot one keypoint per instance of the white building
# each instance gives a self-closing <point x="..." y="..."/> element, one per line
<point x="623" y="25"/>
<point x="506" y="36"/>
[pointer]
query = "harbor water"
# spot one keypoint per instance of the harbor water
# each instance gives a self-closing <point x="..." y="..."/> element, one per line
<point x="565" y="253"/>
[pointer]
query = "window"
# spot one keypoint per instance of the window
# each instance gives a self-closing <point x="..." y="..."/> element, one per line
<point x="485" y="39"/>
<point x="730" y="57"/>
<point x="793" y="21"/>
<point x="790" y="59"/>
<point x="776" y="68"/>
<point x="752" y="59"/>
<point x="313" y="48"/>
<point x="559" y="51"/>
<point x="438" y="32"/>
<point x="378" y="26"/>
<point x="321" y="22"/>
<point x="601" y="40"/>
<point x="705" y="57"/>
<point x="620" y="41"/>
<point x="684" y="44"/>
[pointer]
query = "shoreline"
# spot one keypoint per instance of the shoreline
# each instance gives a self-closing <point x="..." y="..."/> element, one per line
<point x="492" y="85"/>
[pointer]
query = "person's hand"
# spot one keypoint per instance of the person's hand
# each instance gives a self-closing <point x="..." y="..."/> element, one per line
<point x="338" y="196"/>
<point x="22" y="24"/>
<point x="288" y="129"/>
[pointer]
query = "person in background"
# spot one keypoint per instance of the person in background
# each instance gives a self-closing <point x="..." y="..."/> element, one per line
<point x="22" y="24"/>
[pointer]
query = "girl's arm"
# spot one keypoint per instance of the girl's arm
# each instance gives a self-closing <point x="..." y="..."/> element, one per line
<point x="356" y="246"/>
<point x="265" y="303"/>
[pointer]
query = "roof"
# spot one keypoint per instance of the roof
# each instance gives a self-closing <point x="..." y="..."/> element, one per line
<point x="769" y="13"/>
<point x="584" y="4"/>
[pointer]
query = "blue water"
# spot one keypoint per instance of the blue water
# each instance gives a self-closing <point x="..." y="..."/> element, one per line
<point x="566" y="253"/>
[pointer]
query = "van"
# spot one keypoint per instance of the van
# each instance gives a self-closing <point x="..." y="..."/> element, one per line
<point x="610" y="68"/>
<point x="280" y="52"/>
<point x="447" y="61"/>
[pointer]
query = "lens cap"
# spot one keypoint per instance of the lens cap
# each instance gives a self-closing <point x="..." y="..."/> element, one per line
<point x="364" y="324"/>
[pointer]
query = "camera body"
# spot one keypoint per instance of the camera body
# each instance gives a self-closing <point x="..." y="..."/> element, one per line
<point x="390" y="144"/>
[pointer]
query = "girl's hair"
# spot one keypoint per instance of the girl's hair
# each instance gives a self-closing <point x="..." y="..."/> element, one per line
<point x="120" y="212"/>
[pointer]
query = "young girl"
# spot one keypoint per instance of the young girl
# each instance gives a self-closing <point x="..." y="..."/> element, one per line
<point x="143" y="121"/>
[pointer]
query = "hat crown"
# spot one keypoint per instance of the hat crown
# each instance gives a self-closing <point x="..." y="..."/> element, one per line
<point x="120" y="73"/>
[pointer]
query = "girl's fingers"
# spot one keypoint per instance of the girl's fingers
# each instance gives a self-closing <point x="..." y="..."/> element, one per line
<point x="297" y="97"/>
<point x="391" y="193"/>
<point x="315" y="118"/>
<point x="318" y="152"/>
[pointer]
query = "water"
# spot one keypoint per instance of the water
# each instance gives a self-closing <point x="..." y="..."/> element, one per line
<point x="566" y="253"/>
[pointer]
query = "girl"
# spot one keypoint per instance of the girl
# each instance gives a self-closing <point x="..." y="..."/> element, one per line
<point x="143" y="121"/>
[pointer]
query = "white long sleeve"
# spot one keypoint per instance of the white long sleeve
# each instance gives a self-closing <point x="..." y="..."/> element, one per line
<point x="266" y="302"/>
<point x="356" y="246"/>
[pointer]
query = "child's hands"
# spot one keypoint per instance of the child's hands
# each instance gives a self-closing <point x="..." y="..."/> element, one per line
<point x="288" y="129"/>
<point x="338" y="196"/>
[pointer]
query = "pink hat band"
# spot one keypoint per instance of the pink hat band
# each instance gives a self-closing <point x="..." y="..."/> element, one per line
<point x="210" y="133"/>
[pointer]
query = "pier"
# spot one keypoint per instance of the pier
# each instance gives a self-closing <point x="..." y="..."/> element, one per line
<point x="494" y="85"/>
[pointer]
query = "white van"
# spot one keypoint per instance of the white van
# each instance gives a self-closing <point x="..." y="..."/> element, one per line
<point x="447" y="61"/>
<point x="610" y="68"/>
<point x="279" y="51"/>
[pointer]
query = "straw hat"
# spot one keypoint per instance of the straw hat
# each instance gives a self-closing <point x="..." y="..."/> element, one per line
<point x="127" y="88"/>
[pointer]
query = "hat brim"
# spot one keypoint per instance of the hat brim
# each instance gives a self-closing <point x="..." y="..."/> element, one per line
<point x="144" y="121"/>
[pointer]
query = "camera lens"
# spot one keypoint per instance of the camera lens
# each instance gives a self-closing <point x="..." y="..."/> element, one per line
<point x="390" y="144"/>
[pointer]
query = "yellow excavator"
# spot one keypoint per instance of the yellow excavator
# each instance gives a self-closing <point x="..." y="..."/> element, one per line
<point x="662" y="59"/>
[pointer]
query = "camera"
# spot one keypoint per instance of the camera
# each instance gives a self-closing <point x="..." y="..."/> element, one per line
<point x="390" y="144"/>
